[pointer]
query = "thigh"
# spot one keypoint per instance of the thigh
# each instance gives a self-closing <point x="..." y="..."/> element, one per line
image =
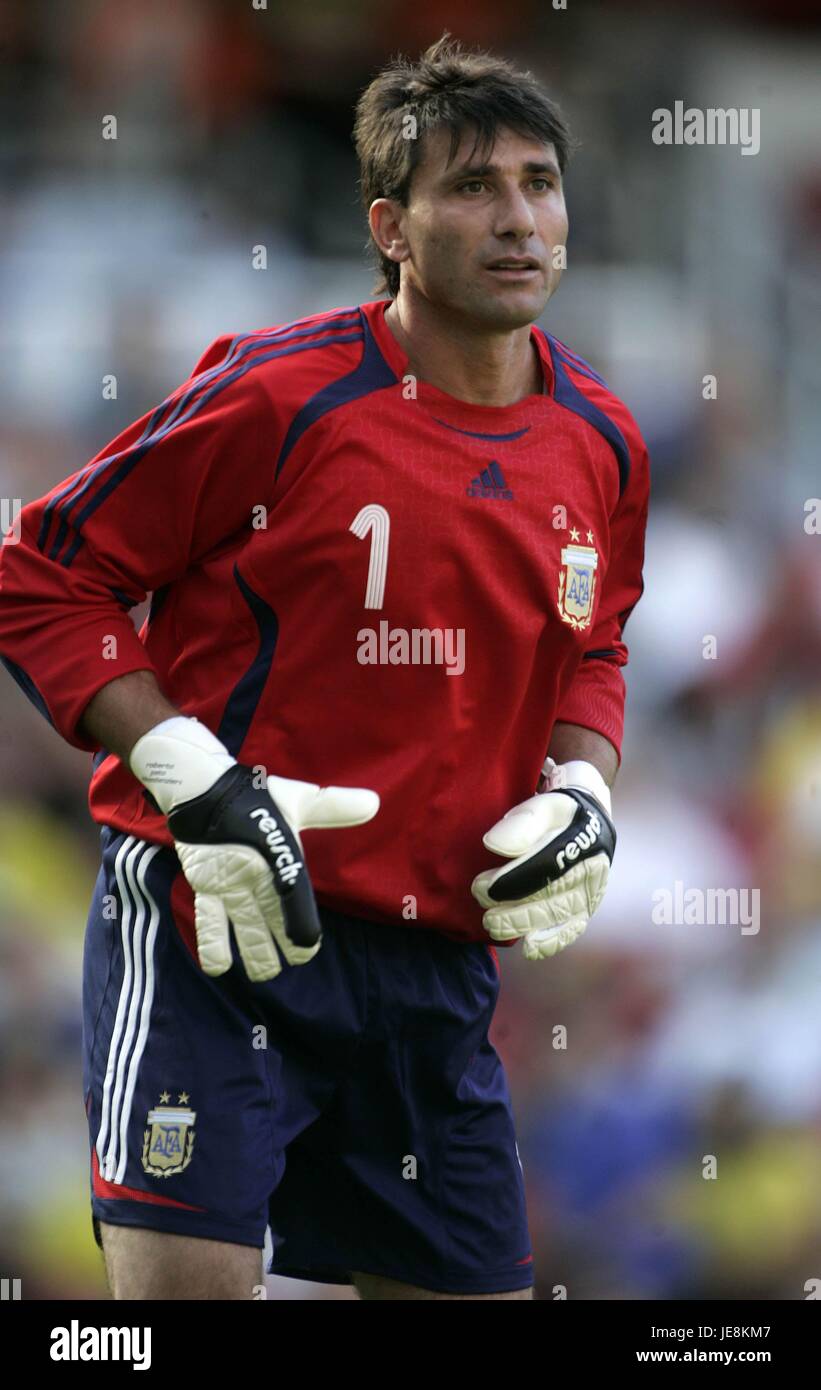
<point x="375" y="1286"/>
<point x="143" y="1264"/>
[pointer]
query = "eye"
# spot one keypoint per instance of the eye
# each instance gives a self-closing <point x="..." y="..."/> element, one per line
<point x="471" y="183"/>
<point x="548" y="183"/>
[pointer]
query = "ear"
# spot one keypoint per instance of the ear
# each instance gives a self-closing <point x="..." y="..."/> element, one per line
<point x="386" y="220"/>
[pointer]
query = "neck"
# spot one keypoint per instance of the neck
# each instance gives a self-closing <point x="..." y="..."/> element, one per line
<point x="490" y="367"/>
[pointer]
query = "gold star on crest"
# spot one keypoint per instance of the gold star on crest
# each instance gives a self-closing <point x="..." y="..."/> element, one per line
<point x="164" y="1098"/>
<point x="590" y="537"/>
<point x="574" y="535"/>
<point x="182" y="1098"/>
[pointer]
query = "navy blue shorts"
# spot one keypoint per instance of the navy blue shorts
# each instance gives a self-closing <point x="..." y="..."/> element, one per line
<point x="354" y="1104"/>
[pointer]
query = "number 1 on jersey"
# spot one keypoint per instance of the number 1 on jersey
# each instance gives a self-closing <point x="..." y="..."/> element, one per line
<point x="374" y="519"/>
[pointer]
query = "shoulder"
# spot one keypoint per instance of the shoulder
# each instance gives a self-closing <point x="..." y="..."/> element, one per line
<point x="300" y="353"/>
<point x="290" y="375"/>
<point x="580" y="388"/>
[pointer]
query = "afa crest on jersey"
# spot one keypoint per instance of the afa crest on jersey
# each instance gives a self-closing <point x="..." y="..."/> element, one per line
<point x="577" y="584"/>
<point x="169" y="1140"/>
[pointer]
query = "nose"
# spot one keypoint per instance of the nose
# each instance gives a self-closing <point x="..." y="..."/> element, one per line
<point x="514" y="215"/>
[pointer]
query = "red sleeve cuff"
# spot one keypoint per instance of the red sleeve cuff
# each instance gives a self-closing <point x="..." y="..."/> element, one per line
<point x="596" y="701"/>
<point x="80" y="667"/>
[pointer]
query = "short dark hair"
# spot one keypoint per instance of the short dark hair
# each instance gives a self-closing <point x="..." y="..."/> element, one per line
<point x="453" y="88"/>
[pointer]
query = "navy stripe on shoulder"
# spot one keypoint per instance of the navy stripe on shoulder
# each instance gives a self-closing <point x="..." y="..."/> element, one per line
<point x="566" y="393"/>
<point x="137" y="451"/>
<point x="583" y="371"/>
<point x="240" y="347"/>
<point x="574" y="360"/>
<point x="79" y="483"/>
<point x="372" y="374"/>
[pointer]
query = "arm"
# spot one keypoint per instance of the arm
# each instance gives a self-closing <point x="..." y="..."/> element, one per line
<point x="562" y="840"/>
<point x="159" y="500"/>
<point x="590" y="715"/>
<point x="123" y="711"/>
<point x="571" y="741"/>
<point x="156" y="501"/>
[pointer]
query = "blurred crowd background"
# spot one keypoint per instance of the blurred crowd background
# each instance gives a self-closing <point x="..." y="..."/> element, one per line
<point x="130" y="256"/>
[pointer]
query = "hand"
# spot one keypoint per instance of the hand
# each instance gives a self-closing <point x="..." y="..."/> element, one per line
<point x="562" y="842"/>
<point x="240" y="847"/>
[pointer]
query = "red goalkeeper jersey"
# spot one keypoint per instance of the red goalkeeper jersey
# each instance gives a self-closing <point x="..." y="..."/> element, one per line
<point x="356" y="579"/>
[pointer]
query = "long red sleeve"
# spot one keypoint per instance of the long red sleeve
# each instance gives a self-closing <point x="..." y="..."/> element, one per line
<point x="596" y="697"/>
<point x="159" y="497"/>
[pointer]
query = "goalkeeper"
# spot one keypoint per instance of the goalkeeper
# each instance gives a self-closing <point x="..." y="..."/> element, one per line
<point x="391" y="550"/>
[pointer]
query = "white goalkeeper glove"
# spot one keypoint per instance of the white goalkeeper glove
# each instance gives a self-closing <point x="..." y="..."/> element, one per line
<point x="239" y="846"/>
<point x="562" y="842"/>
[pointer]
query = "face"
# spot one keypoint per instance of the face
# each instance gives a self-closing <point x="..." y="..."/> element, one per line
<point x="467" y="221"/>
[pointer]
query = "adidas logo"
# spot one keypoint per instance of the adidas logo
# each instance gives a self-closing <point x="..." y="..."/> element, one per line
<point x="490" y="483"/>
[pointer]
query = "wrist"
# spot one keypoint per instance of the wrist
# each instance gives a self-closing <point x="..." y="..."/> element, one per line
<point x="580" y="774"/>
<point x="177" y="760"/>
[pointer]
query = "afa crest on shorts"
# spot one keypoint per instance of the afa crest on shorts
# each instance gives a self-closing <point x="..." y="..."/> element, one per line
<point x="577" y="584"/>
<point x="169" y="1139"/>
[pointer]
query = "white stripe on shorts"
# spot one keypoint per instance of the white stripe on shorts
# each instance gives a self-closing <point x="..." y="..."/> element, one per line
<point x="133" y="1006"/>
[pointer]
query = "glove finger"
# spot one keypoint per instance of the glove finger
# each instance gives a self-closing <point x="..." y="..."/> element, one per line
<point x="531" y="825"/>
<point x="236" y="882"/>
<point x="307" y="805"/>
<point x="595" y="880"/>
<point x="333" y="806"/>
<point x="480" y="885"/>
<point x="576" y="894"/>
<point x="213" y="937"/>
<point x="250" y="894"/>
<point x="539" y="942"/>
<point x="293" y="920"/>
<point x="295" y="955"/>
<point x="543" y="911"/>
<point x="292" y="797"/>
<point x="538" y="945"/>
<point x="291" y="912"/>
<point x="500" y="927"/>
<point x="254" y="939"/>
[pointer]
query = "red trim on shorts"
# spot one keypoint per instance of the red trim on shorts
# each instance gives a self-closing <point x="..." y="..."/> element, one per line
<point x="101" y="1188"/>
<point x="495" y="957"/>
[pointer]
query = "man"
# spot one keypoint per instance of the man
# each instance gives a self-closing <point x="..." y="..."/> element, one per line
<point x="392" y="548"/>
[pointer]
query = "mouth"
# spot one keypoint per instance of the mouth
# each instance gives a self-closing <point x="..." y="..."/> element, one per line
<point x="509" y="268"/>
